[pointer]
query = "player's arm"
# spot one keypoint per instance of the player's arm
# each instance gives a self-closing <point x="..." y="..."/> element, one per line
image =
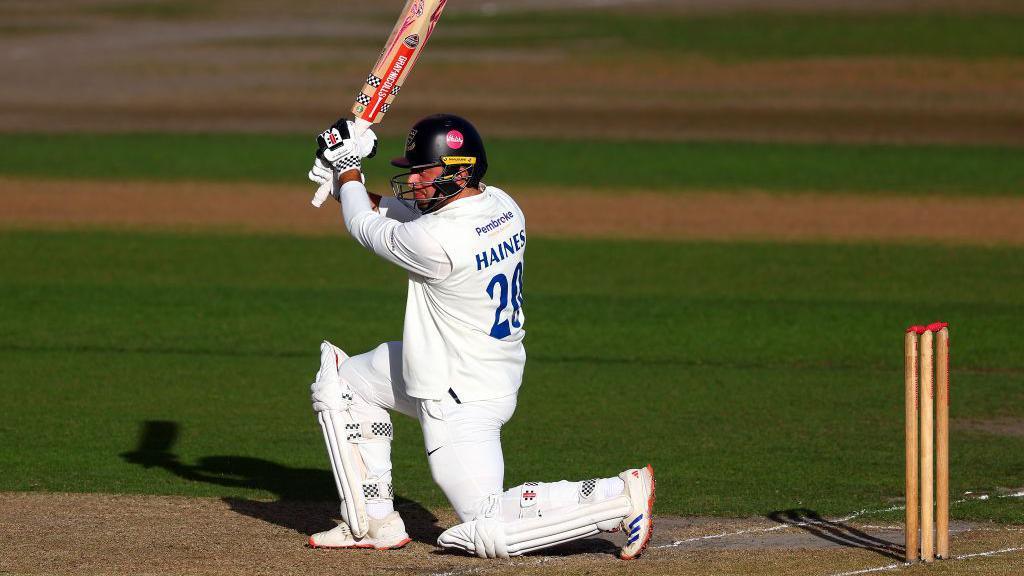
<point x="392" y="207"/>
<point x="406" y="245"/>
<point x="397" y="210"/>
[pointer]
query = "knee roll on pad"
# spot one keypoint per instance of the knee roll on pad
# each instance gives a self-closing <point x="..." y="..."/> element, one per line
<point x="328" y="391"/>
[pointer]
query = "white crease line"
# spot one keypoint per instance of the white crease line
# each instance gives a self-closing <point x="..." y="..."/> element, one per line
<point x="868" y="570"/>
<point x="989" y="553"/>
<point x="762" y="530"/>
<point x="847" y="518"/>
<point x="906" y="564"/>
<point x="885" y="568"/>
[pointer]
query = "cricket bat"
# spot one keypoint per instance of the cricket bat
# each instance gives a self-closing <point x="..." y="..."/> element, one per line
<point x="404" y="45"/>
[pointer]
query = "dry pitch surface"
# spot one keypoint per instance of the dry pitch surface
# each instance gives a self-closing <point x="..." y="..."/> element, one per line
<point x="99" y="534"/>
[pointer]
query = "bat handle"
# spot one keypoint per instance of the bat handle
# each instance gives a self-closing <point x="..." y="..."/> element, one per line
<point x="361" y="126"/>
<point x="323" y="193"/>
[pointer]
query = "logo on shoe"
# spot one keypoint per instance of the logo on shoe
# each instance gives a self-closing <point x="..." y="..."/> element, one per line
<point x="634" y="529"/>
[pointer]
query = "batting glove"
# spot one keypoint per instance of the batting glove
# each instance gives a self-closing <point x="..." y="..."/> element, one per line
<point x="339" y="149"/>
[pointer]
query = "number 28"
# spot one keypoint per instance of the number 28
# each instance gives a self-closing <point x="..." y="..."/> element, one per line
<point x="500" y="284"/>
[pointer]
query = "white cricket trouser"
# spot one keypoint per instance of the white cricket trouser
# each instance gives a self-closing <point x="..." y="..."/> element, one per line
<point x="462" y="439"/>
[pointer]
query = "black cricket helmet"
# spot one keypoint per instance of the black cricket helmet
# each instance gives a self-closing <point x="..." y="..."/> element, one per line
<point x="440" y="140"/>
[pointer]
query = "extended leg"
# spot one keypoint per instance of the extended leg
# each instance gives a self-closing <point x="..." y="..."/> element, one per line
<point x="538" y="515"/>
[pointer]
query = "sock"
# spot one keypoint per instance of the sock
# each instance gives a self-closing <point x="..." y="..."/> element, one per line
<point x="379" y="508"/>
<point x="611" y="487"/>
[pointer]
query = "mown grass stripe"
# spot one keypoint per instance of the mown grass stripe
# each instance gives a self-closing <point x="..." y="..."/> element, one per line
<point x="653" y="165"/>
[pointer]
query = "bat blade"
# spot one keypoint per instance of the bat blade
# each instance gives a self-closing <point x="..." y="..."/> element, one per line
<point x="403" y="47"/>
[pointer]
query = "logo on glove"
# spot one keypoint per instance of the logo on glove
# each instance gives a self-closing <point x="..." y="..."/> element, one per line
<point x="332" y="137"/>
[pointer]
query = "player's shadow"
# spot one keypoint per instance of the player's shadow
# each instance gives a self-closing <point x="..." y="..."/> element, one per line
<point x="306" y="500"/>
<point x="837" y="532"/>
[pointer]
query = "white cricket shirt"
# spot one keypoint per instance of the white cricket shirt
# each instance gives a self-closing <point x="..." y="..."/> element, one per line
<point x="464" y="321"/>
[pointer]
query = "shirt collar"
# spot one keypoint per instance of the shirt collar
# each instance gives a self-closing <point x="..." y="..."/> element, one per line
<point x="466" y="203"/>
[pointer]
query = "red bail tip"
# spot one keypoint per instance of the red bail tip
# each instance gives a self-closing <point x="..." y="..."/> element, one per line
<point x="917" y="329"/>
<point x="936" y="326"/>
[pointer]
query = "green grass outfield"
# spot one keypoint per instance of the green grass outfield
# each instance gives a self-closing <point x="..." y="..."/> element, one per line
<point x="586" y="164"/>
<point x="750" y="35"/>
<point x="756" y="377"/>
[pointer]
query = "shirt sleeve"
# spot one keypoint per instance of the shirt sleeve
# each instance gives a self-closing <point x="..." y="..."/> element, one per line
<point x="407" y="244"/>
<point x="397" y="210"/>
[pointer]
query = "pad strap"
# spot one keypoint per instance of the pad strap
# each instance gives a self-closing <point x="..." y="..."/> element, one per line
<point x="369" y="431"/>
<point x="588" y="491"/>
<point x="378" y="491"/>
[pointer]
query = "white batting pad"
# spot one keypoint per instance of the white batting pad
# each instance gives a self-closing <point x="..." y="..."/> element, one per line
<point x="358" y="439"/>
<point x="493" y="538"/>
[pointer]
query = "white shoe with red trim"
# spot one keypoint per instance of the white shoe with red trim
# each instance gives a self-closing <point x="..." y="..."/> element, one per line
<point x="638" y="525"/>
<point x="387" y="533"/>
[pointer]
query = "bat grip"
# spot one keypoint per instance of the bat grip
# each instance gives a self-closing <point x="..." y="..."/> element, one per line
<point x="361" y="126"/>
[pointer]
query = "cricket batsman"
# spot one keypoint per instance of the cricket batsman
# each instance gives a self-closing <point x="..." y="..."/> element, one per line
<point x="459" y="365"/>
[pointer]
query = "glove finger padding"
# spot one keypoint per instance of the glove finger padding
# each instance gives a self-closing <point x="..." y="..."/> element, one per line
<point x="321" y="172"/>
<point x="325" y="191"/>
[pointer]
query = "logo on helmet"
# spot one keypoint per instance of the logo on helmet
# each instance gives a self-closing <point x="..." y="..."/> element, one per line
<point x="412" y="40"/>
<point x="410" y="141"/>
<point x="454" y="139"/>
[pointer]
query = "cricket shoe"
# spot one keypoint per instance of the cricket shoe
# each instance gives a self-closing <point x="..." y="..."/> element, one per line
<point x="638" y="525"/>
<point x="387" y="533"/>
